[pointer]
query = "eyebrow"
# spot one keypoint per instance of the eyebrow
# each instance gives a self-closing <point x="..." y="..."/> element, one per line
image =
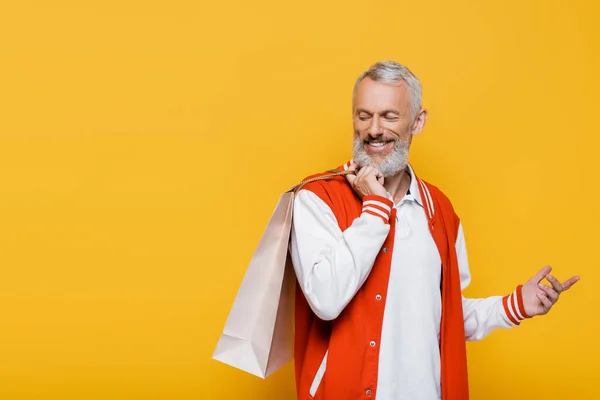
<point x="361" y="110"/>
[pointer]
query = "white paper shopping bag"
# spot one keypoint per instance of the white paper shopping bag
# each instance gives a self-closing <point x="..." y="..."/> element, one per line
<point x="259" y="333"/>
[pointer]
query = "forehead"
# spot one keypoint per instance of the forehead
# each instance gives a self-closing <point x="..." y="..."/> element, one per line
<point x="373" y="95"/>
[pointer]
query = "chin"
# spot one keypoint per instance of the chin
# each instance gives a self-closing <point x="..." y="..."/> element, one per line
<point x="377" y="160"/>
<point x="379" y="156"/>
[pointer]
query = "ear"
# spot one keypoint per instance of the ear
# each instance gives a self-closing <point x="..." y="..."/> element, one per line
<point x="419" y="123"/>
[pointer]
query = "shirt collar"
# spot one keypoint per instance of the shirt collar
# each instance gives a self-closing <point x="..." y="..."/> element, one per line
<point x="413" y="190"/>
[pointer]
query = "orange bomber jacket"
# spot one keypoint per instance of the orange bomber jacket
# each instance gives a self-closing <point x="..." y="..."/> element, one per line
<point x="352" y="364"/>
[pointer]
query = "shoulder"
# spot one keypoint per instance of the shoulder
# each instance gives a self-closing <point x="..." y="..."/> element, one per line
<point x="325" y="182"/>
<point x="436" y="193"/>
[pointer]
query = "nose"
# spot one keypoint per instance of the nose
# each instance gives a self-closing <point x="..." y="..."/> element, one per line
<point x="375" y="127"/>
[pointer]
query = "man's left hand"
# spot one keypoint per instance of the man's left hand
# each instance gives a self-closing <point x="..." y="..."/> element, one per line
<point x="538" y="298"/>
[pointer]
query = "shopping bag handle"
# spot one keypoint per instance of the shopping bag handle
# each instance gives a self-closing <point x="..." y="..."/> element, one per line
<point x="333" y="174"/>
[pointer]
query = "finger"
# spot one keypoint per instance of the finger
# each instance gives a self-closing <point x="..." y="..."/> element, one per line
<point x="377" y="176"/>
<point x="363" y="171"/>
<point x="569" y="282"/>
<point x="351" y="178"/>
<point x="550" y="292"/>
<point x="360" y="179"/>
<point x="541" y="274"/>
<point x="544" y="299"/>
<point x="365" y="175"/>
<point x="555" y="283"/>
<point x="372" y="173"/>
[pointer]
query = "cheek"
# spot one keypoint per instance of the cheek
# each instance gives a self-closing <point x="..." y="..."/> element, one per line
<point x="359" y="128"/>
<point x="400" y="129"/>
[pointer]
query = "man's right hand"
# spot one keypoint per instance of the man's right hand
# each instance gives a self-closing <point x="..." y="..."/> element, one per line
<point x="368" y="180"/>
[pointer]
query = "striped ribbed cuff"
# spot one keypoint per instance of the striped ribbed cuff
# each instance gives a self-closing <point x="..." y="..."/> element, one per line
<point x="378" y="206"/>
<point x="513" y="306"/>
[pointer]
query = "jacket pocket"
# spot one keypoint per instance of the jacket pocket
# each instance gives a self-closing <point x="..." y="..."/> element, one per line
<point x="319" y="376"/>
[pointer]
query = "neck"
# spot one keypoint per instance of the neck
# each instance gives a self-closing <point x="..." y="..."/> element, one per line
<point x="398" y="185"/>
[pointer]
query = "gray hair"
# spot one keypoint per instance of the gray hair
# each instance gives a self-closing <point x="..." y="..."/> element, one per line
<point x="392" y="72"/>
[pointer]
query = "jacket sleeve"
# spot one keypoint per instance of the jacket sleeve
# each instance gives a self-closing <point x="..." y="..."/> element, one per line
<point x="332" y="265"/>
<point x="483" y="315"/>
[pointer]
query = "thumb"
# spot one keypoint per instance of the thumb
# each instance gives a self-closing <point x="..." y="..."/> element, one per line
<point x="541" y="274"/>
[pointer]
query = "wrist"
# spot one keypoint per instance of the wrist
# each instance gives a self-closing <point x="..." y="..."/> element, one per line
<point x="378" y="206"/>
<point x="514" y="306"/>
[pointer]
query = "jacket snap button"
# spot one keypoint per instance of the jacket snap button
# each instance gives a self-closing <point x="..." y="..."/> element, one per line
<point x="385" y="250"/>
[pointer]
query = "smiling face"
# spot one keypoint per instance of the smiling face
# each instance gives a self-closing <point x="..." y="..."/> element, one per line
<point x="383" y="125"/>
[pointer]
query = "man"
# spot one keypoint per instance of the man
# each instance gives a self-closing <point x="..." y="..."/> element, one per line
<point x="381" y="262"/>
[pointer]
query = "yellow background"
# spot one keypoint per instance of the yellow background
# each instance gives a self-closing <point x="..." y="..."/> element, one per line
<point x="144" y="145"/>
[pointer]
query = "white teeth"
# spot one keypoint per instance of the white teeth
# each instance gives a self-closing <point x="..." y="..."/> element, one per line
<point x="378" y="144"/>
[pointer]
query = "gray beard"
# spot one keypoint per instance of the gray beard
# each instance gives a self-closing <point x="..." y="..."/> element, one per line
<point x="391" y="165"/>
